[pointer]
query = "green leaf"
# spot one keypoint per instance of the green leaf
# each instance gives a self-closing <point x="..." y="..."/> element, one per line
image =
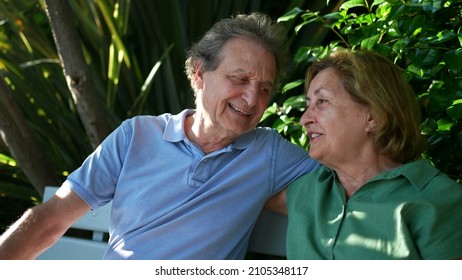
<point x="308" y="54"/>
<point x="378" y="3"/>
<point x="106" y="11"/>
<point x="290" y="15"/>
<point x="401" y="45"/>
<point x="432" y="6"/>
<point x="294" y="102"/>
<point x="333" y="16"/>
<point x="308" y="15"/>
<point x="299" y="27"/>
<point x="445" y="124"/>
<point x="453" y="60"/>
<point x="439" y="103"/>
<point x="279" y="125"/>
<point x="367" y="19"/>
<point x="370" y="42"/>
<point x="424" y="57"/>
<point x="383" y="49"/>
<point x="270" y="111"/>
<point x="415" y="70"/>
<point x="292" y="85"/>
<point x="352" y="3"/>
<point x="443" y="36"/>
<point x="429" y="126"/>
<point x="4" y="159"/>
<point x="415" y="27"/>
<point x="298" y="137"/>
<point x="455" y="111"/>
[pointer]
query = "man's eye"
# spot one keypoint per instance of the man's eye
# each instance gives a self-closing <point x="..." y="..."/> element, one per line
<point x="238" y="80"/>
<point x="265" y="90"/>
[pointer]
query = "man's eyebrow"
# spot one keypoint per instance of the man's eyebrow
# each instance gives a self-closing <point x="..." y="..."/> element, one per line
<point x="268" y="83"/>
<point x="241" y="71"/>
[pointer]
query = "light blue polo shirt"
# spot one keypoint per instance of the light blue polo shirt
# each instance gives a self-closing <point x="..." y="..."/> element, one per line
<point x="170" y="201"/>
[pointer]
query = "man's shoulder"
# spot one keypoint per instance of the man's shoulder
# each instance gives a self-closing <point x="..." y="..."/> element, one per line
<point x="149" y="118"/>
<point x="152" y="120"/>
<point x="266" y="131"/>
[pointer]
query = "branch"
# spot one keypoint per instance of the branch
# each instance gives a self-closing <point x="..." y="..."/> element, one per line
<point x="78" y="77"/>
<point x="22" y="143"/>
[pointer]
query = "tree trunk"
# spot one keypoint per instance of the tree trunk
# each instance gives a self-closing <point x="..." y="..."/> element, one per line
<point x="91" y="111"/>
<point x="22" y="144"/>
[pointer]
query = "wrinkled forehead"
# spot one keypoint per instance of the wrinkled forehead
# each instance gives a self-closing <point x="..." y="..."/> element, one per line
<point x="247" y="57"/>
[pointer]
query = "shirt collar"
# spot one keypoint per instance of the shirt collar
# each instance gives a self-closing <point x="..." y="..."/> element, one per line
<point x="174" y="131"/>
<point x="418" y="172"/>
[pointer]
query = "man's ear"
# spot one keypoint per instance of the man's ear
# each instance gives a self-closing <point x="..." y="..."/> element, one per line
<point x="198" y="77"/>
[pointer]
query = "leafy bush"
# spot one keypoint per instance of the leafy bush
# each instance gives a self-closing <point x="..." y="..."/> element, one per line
<point x="423" y="37"/>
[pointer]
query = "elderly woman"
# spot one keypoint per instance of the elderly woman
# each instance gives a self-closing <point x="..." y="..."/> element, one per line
<point x="374" y="198"/>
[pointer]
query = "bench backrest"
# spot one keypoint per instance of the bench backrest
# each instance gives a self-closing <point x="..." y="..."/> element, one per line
<point x="268" y="236"/>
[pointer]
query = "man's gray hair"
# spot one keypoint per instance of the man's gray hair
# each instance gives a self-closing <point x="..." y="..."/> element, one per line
<point x="256" y="27"/>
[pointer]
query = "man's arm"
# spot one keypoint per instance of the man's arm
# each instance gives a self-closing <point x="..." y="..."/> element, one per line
<point x="41" y="226"/>
<point x="277" y="203"/>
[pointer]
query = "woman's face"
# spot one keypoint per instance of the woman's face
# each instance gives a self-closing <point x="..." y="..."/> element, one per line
<point x="338" y="127"/>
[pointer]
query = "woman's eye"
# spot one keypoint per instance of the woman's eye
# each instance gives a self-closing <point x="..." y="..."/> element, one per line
<point x="307" y="102"/>
<point x="317" y="102"/>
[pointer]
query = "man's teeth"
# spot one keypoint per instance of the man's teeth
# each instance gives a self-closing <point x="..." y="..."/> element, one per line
<point x="239" y="110"/>
<point x="314" y="135"/>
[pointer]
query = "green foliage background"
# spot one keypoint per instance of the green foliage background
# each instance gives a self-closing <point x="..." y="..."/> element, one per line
<point x="135" y="50"/>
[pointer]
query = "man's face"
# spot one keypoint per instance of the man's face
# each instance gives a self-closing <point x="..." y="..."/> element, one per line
<point x="232" y="98"/>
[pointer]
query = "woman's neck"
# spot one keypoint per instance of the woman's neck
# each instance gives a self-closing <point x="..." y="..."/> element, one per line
<point x="356" y="174"/>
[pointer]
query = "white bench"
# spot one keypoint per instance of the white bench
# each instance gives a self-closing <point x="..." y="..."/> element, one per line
<point x="268" y="236"/>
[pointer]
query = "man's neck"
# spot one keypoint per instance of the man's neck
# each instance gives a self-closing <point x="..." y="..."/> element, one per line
<point x="204" y="135"/>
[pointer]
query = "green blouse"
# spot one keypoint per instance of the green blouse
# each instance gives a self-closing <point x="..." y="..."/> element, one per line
<point x="411" y="212"/>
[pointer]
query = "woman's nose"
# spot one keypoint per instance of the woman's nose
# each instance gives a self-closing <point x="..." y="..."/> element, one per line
<point x="307" y="117"/>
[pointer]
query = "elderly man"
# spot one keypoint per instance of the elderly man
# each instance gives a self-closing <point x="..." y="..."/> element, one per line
<point x="186" y="186"/>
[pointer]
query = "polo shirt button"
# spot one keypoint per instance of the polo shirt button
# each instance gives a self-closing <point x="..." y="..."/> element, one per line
<point x="330" y="242"/>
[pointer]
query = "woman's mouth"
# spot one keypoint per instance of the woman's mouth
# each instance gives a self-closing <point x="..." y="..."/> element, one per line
<point x="313" y="135"/>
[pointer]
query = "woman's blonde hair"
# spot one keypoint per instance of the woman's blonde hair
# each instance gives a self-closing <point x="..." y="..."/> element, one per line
<point x="373" y="80"/>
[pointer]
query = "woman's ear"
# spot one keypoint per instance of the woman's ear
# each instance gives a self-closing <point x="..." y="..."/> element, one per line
<point x="371" y="123"/>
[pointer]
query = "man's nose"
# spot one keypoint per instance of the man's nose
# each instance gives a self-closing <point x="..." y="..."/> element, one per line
<point x="250" y="95"/>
